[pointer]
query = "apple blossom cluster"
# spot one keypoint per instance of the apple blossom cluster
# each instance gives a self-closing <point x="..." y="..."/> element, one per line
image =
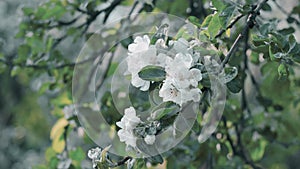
<point x="179" y="84"/>
<point x="127" y="124"/>
<point x="177" y="58"/>
<point x="95" y="155"/>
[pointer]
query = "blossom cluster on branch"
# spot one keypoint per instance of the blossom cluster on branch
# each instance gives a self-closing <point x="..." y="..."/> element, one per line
<point x="176" y="58"/>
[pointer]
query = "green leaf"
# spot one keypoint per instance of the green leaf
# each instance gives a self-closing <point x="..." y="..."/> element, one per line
<point x="282" y="70"/>
<point x="165" y="109"/>
<point x="40" y="167"/>
<point x="140" y="164"/>
<point x="266" y="7"/>
<point x="234" y="86"/>
<point x="194" y="20"/>
<point x="294" y="47"/>
<point x="53" y="163"/>
<point x="271" y="82"/>
<point x="226" y="15"/>
<point x="258" y="152"/>
<point x="254" y="57"/>
<point x="280" y="41"/>
<point x="127" y="2"/>
<point x="158" y="159"/>
<point x="206" y="21"/>
<point x="112" y="68"/>
<point x="214" y="26"/>
<point x="36" y="43"/>
<point x="154" y="98"/>
<point x="56" y="12"/>
<point x="126" y="42"/>
<point x="49" y="44"/>
<point x="219" y="4"/>
<point x="273" y="49"/>
<point x="102" y="165"/>
<point x="152" y="73"/>
<point x="28" y="11"/>
<point x="205" y="80"/>
<point x="49" y="154"/>
<point x="230" y="74"/>
<point x="16" y="70"/>
<point x="23" y="52"/>
<point x="40" y="12"/>
<point x="77" y="154"/>
<point x="287" y="31"/>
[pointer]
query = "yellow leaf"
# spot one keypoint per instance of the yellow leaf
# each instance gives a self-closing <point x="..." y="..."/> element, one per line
<point x="64" y="2"/>
<point x="104" y="152"/>
<point x="58" y="144"/>
<point x="58" y="128"/>
<point x="228" y="32"/>
<point x="63" y="99"/>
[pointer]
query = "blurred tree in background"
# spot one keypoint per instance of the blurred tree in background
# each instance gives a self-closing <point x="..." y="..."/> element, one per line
<point x="40" y="41"/>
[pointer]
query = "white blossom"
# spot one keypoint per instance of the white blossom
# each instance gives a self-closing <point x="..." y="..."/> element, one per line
<point x="140" y="44"/>
<point x="149" y="139"/>
<point x="181" y="82"/>
<point x="95" y="155"/>
<point x="128" y="122"/>
<point x="178" y="95"/>
<point x="142" y="54"/>
<point x="170" y="93"/>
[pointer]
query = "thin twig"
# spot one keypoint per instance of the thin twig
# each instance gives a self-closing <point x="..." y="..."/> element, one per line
<point x="289" y="15"/>
<point x="246" y="68"/>
<point x="123" y="161"/>
<point x="229" y="26"/>
<point x="234" y="47"/>
<point x="280" y="8"/>
<point x="132" y="9"/>
<point x="101" y="81"/>
<point x="249" y="25"/>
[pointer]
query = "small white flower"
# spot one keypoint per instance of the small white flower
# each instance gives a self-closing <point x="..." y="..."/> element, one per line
<point x="169" y="93"/>
<point x="128" y="122"/>
<point x="160" y="43"/>
<point x="150" y="139"/>
<point x="138" y="82"/>
<point x="179" y="96"/>
<point x="95" y="155"/>
<point x="140" y="44"/>
<point x="69" y="111"/>
<point x="127" y="137"/>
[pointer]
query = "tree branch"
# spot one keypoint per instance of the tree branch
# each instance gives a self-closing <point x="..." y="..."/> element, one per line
<point x="249" y="25"/>
<point x="123" y="161"/>
<point x="229" y="26"/>
<point x="132" y="9"/>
